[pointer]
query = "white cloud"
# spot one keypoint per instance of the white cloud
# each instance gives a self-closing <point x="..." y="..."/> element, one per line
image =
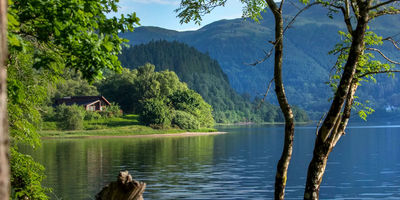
<point x="165" y="2"/>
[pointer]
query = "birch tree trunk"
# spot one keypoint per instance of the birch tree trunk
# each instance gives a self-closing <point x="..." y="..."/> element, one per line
<point x="283" y="163"/>
<point x="4" y="140"/>
<point x="335" y="124"/>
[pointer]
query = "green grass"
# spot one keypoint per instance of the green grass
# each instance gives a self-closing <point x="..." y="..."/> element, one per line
<point x="120" y="126"/>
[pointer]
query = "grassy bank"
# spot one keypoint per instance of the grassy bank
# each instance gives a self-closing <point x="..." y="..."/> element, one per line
<point x="118" y="126"/>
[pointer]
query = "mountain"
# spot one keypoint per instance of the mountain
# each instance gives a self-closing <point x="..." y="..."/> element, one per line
<point x="205" y="76"/>
<point x="306" y="67"/>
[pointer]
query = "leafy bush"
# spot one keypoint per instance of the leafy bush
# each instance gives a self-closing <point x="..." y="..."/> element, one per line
<point x="112" y="110"/>
<point x="47" y="113"/>
<point x="92" y="115"/>
<point x="185" y="120"/>
<point x="26" y="177"/>
<point x="191" y="102"/>
<point x="69" y="117"/>
<point x="155" y="112"/>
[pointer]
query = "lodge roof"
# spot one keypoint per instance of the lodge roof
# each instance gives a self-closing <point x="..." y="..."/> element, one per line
<point x="81" y="100"/>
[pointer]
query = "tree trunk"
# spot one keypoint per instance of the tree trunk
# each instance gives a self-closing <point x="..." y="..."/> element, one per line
<point x="125" y="188"/>
<point x="283" y="163"/>
<point x="328" y="134"/>
<point x="316" y="169"/>
<point x="4" y="140"/>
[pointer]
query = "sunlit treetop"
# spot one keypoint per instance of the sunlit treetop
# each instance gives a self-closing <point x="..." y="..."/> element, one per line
<point x="73" y="33"/>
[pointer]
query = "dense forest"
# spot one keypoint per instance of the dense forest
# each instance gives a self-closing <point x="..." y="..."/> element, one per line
<point x="159" y="97"/>
<point x="307" y="66"/>
<point x="204" y="75"/>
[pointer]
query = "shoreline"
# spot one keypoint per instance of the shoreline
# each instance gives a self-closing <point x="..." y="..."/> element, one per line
<point x="157" y="135"/>
<point x="261" y="123"/>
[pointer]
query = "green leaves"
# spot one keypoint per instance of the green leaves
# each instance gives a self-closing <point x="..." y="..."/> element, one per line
<point x="156" y="96"/>
<point x="253" y="9"/>
<point x="26" y="177"/>
<point x="44" y="37"/>
<point x="367" y="67"/>
<point x="78" y="32"/>
<point x="367" y="64"/>
<point x="362" y="109"/>
<point x="193" y="10"/>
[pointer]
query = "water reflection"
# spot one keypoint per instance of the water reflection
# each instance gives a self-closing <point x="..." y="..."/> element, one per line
<point x="239" y="165"/>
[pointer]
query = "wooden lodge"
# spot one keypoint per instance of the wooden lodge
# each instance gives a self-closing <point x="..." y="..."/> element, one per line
<point x="92" y="103"/>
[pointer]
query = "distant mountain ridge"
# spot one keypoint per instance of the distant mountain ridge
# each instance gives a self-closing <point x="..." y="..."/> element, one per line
<point x="203" y="75"/>
<point x="307" y="65"/>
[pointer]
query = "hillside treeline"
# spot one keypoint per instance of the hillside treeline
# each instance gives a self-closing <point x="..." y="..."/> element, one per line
<point x="204" y="75"/>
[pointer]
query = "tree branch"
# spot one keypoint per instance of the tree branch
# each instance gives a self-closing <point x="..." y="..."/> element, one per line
<point x="382" y="4"/>
<point x="281" y="5"/>
<point x="383" y="55"/>
<point x="319" y="123"/>
<point x="294" y="5"/>
<point x="385" y="12"/>
<point x="266" y="93"/>
<point x="267" y="55"/>
<point x="341" y="124"/>
<point x="346" y="14"/>
<point x="395" y="44"/>
<point x="354" y="8"/>
<point x="378" y="72"/>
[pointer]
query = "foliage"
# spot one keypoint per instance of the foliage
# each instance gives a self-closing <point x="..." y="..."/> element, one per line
<point x="118" y="88"/>
<point x="26" y="177"/>
<point x="77" y="34"/>
<point x="72" y="84"/>
<point x="112" y="110"/>
<point x="44" y="37"/>
<point x="70" y="117"/>
<point x="299" y="114"/>
<point x="203" y="75"/>
<point x="190" y="10"/>
<point x="192" y="103"/>
<point x="155" y="95"/>
<point x="26" y="93"/>
<point x="47" y="113"/>
<point x="26" y="90"/>
<point x="185" y="120"/>
<point x="366" y="70"/>
<point x="155" y="113"/>
<point x="92" y="115"/>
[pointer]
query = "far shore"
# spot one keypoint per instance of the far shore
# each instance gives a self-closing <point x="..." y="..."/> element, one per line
<point x="259" y="123"/>
<point x="184" y="134"/>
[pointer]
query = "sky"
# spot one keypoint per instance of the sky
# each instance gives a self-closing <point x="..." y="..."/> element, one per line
<point x="161" y="13"/>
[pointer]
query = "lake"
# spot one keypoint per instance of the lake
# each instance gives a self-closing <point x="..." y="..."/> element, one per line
<point x="238" y="165"/>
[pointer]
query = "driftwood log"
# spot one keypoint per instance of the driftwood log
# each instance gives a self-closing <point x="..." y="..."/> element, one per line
<point x="125" y="188"/>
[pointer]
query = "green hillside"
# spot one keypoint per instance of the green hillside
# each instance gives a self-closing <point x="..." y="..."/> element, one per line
<point x="233" y="43"/>
<point x="204" y="75"/>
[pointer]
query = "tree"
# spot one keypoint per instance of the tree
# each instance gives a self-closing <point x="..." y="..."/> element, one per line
<point x="56" y="34"/>
<point x="158" y="97"/>
<point x="4" y="141"/>
<point x="193" y="10"/>
<point x="356" y="66"/>
<point x="118" y="88"/>
<point x="191" y="102"/>
<point x="155" y="113"/>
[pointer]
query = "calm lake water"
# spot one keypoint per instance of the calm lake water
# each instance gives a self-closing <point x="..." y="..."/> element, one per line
<point x="238" y="165"/>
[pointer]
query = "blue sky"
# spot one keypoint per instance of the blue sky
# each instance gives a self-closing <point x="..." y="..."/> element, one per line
<point x="161" y="13"/>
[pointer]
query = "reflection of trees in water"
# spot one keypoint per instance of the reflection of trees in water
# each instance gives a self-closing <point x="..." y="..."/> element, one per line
<point x="79" y="168"/>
